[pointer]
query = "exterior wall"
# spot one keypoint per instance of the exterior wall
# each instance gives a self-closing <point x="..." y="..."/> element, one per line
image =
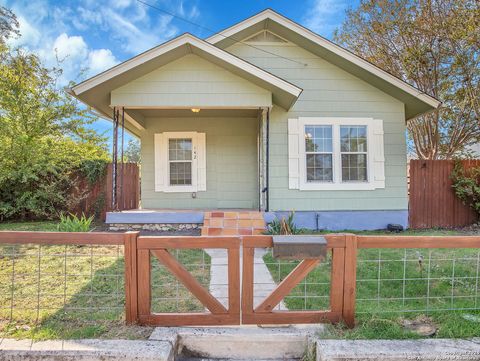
<point x="188" y="82"/>
<point x="232" y="163"/>
<point x="330" y="91"/>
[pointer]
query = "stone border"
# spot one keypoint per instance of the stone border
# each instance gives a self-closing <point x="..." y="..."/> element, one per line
<point x="153" y="226"/>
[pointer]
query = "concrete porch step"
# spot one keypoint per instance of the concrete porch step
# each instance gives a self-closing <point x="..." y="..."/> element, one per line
<point x="239" y="343"/>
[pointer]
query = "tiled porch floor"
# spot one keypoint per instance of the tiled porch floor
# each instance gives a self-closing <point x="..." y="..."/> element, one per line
<point x="242" y="223"/>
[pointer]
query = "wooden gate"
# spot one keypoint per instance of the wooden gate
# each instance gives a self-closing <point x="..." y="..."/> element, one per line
<point x="142" y="250"/>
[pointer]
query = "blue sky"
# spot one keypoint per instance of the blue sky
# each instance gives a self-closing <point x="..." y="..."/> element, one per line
<point x="91" y="36"/>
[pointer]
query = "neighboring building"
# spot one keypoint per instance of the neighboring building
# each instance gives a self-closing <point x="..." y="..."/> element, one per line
<point x="265" y="115"/>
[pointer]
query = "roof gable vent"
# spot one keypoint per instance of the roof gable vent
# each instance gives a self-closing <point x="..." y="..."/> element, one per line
<point x="265" y="36"/>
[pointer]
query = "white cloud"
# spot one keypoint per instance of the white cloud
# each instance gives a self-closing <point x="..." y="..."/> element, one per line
<point x="70" y="47"/>
<point x="323" y="16"/>
<point x="63" y="33"/>
<point x="100" y="60"/>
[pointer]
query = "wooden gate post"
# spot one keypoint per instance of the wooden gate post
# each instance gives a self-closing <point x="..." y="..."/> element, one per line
<point x="350" y="283"/>
<point x="131" y="295"/>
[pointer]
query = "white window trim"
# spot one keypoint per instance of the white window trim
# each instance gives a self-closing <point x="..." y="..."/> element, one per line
<point x="162" y="164"/>
<point x="337" y="183"/>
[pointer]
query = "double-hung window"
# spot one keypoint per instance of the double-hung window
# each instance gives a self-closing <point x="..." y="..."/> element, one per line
<point x="336" y="154"/>
<point x="180" y="162"/>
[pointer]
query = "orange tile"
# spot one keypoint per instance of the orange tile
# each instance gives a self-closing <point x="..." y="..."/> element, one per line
<point x="215" y="231"/>
<point x="206" y="222"/>
<point x="230" y="232"/>
<point x="245" y="231"/>
<point x="243" y="223"/>
<point x="256" y="215"/>
<point x="258" y="223"/>
<point x="230" y="223"/>
<point x="243" y="215"/>
<point x="258" y="231"/>
<point x="204" y="231"/>
<point x="217" y="214"/>
<point x="207" y="215"/>
<point x="216" y="222"/>
<point x="231" y="215"/>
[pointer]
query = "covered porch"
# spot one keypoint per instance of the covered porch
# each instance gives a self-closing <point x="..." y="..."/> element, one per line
<point x="202" y="116"/>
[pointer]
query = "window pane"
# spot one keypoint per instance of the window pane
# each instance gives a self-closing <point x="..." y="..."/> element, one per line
<point x="318" y="138"/>
<point x="180" y="173"/>
<point x="319" y="168"/>
<point x="353" y="138"/>
<point x="354" y="167"/>
<point x="180" y="149"/>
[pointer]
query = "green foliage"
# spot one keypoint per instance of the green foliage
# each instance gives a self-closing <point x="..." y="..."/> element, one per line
<point x="284" y="226"/>
<point x="73" y="223"/>
<point x="44" y="140"/>
<point x="132" y="151"/>
<point x="466" y="184"/>
<point x="94" y="169"/>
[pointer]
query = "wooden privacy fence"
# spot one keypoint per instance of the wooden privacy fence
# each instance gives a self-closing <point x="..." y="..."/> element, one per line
<point x="98" y="197"/>
<point x="432" y="201"/>
<point x="139" y="251"/>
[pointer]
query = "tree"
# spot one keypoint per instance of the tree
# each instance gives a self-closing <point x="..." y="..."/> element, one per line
<point x="132" y="151"/>
<point x="433" y="45"/>
<point x="44" y="139"/>
<point x="8" y="24"/>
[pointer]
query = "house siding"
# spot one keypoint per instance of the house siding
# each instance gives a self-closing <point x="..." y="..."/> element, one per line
<point x="232" y="166"/>
<point x="330" y="91"/>
<point x="191" y="81"/>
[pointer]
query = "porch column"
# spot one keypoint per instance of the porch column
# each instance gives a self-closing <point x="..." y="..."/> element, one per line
<point x="263" y="158"/>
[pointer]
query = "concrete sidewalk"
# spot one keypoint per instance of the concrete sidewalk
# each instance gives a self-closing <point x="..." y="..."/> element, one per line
<point x="86" y="350"/>
<point x="399" y="350"/>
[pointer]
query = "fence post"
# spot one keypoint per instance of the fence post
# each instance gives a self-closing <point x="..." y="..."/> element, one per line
<point x="337" y="281"/>
<point x="131" y="295"/>
<point x="350" y="283"/>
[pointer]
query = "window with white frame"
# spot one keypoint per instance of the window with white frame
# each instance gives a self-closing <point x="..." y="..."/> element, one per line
<point x="319" y="153"/>
<point x="354" y="156"/>
<point x="180" y="162"/>
<point x="335" y="153"/>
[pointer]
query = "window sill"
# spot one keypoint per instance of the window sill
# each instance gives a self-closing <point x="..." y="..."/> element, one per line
<point x="336" y="186"/>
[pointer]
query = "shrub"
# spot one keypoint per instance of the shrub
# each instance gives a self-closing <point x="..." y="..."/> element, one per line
<point x="466" y="184"/>
<point x="284" y="226"/>
<point x="73" y="223"/>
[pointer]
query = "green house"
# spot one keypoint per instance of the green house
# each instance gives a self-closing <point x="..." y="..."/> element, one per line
<point x="265" y="115"/>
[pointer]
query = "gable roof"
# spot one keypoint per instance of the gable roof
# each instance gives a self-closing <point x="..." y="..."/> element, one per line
<point x="416" y="102"/>
<point x="95" y="91"/>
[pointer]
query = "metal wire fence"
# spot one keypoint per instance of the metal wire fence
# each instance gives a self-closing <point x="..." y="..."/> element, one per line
<point x="417" y="280"/>
<point x="312" y="293"/>
<point x="46" y="283"/>
<point x="168" y="295"/>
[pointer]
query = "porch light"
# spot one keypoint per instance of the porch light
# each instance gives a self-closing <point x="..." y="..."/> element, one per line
<point x="195" y="110"/>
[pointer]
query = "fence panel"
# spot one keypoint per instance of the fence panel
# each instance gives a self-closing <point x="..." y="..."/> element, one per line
<point x="69" y="280"/>
<point x="417" y="275"/>
<point x="432" y="201"/>
<point x="98" y="198"/>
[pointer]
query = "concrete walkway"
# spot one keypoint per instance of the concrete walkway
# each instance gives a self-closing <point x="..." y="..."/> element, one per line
<point x="263" y="281"/>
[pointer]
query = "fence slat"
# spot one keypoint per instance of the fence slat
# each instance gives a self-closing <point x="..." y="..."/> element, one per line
<point x="432" y="201"/>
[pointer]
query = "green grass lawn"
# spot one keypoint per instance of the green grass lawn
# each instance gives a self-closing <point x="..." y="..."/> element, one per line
<point x="66" y="292"/>
<point x="397" y="284"/>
